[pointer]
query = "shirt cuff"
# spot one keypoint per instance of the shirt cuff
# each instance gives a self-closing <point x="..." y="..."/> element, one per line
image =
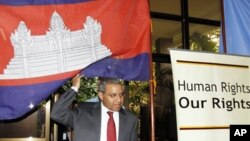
<point x="74" y="88"/>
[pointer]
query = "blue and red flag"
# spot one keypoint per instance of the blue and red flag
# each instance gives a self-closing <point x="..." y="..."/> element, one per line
<point x="236" y="36"/>
<point x="45" y="43"/>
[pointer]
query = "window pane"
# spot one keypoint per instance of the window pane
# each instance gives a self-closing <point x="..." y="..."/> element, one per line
<point x="206" y="9"/>
<point x="165" y="118"/>
<point x="166" y="34"/>
<point x="32" y="125"/>
<point x="165" y="6"/>
<point x="205" y="38"/>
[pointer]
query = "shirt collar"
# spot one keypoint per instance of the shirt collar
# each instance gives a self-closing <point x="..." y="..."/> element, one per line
<point x="105" y="109"/>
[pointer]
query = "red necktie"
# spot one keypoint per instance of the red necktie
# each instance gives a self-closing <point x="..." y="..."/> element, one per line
<point x="111" y="133"/>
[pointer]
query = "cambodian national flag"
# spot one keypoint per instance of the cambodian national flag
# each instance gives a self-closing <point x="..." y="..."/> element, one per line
<point x="236" y="36"/>
<point x="44" y="43"/>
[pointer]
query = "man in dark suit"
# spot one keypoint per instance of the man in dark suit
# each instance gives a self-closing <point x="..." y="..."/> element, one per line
<point x="90" y="120"/>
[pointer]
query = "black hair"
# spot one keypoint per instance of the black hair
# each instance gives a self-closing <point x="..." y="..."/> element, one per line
<point x="106" y="80"/>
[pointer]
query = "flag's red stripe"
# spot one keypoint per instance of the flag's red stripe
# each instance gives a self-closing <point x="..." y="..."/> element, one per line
<point x="120" y="28"/>
<point x="36" y="80"/>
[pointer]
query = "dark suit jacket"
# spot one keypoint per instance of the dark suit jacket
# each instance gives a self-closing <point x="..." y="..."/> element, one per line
<point x="86" y="119"/>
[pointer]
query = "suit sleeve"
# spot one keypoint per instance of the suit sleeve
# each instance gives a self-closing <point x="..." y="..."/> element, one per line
<point x="60" y="110"/>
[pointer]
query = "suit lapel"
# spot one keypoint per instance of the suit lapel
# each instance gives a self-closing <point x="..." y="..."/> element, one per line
<point x="122" y="124"/>
<point x="96" y="111"/>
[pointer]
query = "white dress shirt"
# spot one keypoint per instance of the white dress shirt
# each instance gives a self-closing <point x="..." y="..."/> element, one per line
<point x="104" y="122"/>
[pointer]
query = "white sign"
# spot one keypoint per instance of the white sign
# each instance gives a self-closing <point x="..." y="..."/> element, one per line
<point x="212" y="91"/>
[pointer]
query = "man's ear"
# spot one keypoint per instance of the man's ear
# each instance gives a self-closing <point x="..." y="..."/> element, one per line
<point x="100" y="95"/>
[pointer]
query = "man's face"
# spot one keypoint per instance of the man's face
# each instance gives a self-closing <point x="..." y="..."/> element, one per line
<point x="113" y="97"/>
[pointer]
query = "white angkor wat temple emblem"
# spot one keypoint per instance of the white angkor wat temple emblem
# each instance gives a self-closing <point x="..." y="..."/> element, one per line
<point x="59" y="50"/>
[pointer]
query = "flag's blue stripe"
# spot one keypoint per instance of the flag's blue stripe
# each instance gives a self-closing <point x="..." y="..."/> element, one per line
<point x="15" y="100"/>
<point x="136" y="68"/>
<point x="39" y="2"/>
